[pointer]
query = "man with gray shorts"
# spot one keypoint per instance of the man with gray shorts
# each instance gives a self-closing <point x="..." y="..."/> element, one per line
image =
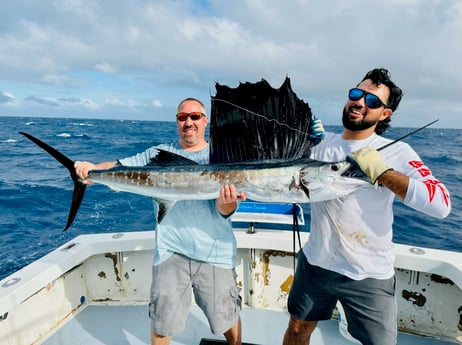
<point x="195" y="249"/>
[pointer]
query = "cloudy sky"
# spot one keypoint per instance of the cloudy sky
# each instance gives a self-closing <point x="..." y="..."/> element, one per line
<point x="136" y="59"/>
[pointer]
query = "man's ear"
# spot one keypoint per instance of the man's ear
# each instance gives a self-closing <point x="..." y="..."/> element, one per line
<point x="386" y="114"/>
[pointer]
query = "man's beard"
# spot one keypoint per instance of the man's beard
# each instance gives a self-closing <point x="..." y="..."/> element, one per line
<point x="356" y="125"/>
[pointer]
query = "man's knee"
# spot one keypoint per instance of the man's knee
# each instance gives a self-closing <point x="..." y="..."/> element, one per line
<point x="297" y="326"/>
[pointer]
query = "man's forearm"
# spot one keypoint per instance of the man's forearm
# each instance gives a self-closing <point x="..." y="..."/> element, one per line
<point x="395" y="181"/>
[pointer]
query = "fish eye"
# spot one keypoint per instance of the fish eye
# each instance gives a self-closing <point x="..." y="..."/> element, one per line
<point x="335" y="167"/>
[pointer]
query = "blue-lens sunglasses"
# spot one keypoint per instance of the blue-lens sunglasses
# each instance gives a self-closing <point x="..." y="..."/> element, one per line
<point x="371" y="100"/>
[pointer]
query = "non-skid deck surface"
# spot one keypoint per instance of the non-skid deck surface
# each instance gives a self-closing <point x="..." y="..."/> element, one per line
<point x="129" y="325"/>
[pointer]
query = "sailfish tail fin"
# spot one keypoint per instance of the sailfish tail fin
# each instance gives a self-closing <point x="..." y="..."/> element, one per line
<point x="79" y="186"/>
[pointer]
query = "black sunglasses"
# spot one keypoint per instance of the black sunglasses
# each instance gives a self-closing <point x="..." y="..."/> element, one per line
<point x="194" y="116"/>
<point x="371" y="100"/>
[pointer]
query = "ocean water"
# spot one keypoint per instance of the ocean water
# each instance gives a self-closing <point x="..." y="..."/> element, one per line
<point x="35" y="190"/>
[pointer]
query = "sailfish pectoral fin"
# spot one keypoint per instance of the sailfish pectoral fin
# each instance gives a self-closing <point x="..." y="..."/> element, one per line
<point x="79" y="186"/>
<point x="163" y="206"/>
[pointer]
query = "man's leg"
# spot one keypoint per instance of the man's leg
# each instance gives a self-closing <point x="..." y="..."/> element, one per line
<point x="370" y="310"/>
<point x="299" y="332"/>
<point x="217" y="294"/>
<point x="234" y="335"/>
<point x="309" y="301"/>
<point x="159" y="339"/>
<point x="170" y="299"/>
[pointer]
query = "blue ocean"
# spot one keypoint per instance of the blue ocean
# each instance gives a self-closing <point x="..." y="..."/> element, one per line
<point x="35" y="190"/>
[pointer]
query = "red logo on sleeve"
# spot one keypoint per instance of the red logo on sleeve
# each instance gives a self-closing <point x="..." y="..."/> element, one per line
<point x="432" y="185"/>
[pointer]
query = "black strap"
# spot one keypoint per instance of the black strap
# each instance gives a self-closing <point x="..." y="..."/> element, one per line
<point x="295" y="229"/>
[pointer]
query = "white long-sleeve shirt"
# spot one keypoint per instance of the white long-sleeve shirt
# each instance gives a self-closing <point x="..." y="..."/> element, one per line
<point x="353" y="235"/>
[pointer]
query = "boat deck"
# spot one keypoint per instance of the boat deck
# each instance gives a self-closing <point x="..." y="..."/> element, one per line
<point x="129" y="325"/>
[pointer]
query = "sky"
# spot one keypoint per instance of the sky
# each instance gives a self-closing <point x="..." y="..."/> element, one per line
<point x="118" y="59"/>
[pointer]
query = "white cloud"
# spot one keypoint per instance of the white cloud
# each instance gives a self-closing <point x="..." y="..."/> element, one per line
<point x="105" y="67"/>
<point x="65" y="103"/>
<point x="114" y="102"/>
<point x="76" y="102"/>
<point x="156" y="104"/>
<point x="168" y="50"/>
<point x="59" y="80"/>
<point x="45" y="101"/>
<point x="6" y="97"/>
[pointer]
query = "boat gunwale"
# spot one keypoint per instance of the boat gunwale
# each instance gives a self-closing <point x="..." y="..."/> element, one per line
<point x="24" y="283"/>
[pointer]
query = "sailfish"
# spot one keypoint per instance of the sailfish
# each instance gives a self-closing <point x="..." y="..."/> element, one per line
<point x="259" y="142"/>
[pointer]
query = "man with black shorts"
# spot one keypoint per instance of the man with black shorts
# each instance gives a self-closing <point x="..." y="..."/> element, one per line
<point x="349" y="255"/>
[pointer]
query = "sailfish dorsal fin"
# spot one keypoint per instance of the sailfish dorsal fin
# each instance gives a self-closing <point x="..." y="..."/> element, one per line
<point x="255" y="122"/>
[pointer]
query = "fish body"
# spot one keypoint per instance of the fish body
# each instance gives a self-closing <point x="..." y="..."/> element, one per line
<point x="170" y="178"/>
<point x="299" y="181"/>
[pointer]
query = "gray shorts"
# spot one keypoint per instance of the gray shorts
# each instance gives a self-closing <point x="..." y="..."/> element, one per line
<point x="173" y="284"/>
<point x="369" y="304"/>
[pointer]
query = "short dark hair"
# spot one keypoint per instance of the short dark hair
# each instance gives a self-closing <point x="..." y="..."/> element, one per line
<point x="381" y="76"/>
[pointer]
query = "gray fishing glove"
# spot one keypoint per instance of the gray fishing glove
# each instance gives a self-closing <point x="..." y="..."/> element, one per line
<point x="369" y="161"/>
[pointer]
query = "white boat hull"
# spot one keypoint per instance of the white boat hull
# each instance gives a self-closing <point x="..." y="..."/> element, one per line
<point x="114" y="270"/>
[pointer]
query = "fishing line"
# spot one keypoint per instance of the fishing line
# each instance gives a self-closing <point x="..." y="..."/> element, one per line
<point x="297" y="130"/>
<point x="259" y="115"/>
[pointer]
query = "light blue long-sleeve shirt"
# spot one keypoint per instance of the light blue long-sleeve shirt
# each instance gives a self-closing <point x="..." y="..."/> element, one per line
<point x="192" y="228"/>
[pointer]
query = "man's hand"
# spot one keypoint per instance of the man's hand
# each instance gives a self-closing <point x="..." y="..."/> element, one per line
<point x="369" y="161"/>
<point x="226" y="203"/>
<point x="82" y="169"/>
<point x="316" y="132"/>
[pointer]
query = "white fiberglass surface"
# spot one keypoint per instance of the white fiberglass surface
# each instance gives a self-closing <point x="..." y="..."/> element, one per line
<point x="129" y="325"/>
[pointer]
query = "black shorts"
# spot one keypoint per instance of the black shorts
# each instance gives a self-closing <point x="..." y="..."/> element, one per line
<point x="369" y="304"/>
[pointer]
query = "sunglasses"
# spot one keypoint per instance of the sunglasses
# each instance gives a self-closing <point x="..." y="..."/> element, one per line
<point x="194" y="116"/>
<point x="371" y="100"/>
